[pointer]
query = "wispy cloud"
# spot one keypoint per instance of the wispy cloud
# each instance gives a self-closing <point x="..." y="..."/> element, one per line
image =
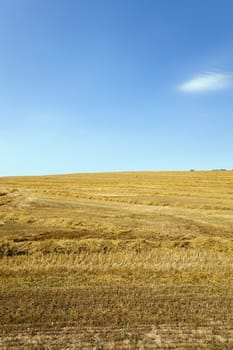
<point x="208" y="81"/>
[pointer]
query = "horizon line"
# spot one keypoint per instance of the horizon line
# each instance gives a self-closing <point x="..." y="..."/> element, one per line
<point x="119" y="172"/>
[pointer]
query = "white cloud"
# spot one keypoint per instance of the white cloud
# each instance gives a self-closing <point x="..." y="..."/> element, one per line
<point x="208" y="81"/>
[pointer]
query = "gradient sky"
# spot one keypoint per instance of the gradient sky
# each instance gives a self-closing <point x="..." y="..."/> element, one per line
<point x="105" y="85"/>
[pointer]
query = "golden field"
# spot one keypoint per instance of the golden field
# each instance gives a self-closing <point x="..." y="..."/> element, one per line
<point x="140" y="260"/>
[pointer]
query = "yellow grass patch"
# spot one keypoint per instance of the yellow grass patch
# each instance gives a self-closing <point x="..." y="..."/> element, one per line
<point x="118" y="260"/>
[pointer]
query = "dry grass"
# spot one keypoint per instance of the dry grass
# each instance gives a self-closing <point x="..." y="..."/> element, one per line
<point x="117" y="261"/>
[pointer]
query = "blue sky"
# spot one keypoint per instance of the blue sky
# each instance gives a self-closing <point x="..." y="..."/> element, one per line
<point x="105" y="85"/>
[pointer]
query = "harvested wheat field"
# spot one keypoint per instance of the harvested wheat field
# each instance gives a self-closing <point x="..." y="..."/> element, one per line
<point x="140" y="260"/>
